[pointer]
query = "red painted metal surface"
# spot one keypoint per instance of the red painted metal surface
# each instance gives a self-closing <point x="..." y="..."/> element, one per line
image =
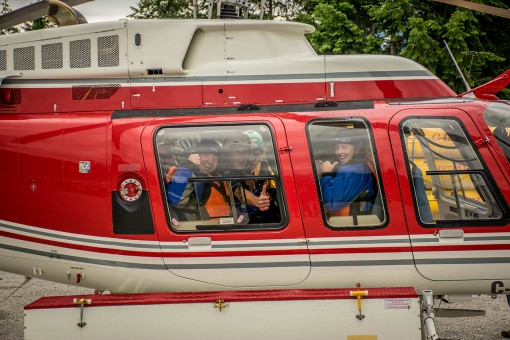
<point x="227" y="296"/>
<point x="64" y="99"/>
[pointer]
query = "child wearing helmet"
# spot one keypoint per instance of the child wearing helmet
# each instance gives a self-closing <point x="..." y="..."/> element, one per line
<point x="348" y="181"/>
<point x="237" y="151"/>
<point x="259" y="166"/>
<point x="200" y="200"/>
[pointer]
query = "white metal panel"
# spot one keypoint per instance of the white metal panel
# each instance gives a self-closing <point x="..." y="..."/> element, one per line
<point x="385" y="318"/>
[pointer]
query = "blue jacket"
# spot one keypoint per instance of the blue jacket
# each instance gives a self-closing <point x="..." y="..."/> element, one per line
<point x="179" y="191"/>
<point x="348" y="183"/>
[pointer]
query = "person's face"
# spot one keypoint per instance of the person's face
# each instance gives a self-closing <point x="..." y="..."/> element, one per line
<point x="344" y="152"/>
<point x="239" y="159"/>
<point x="256" y="157"/>
<point x="166" y="153"/>
<point x="208" y="163"/>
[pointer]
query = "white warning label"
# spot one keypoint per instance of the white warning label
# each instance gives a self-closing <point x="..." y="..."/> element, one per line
<point x="397" y="303"/>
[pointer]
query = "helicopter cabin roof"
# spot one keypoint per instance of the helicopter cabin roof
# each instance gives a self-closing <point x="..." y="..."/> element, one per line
<point x="141" y="47"/>
<point x="182" y="49"/>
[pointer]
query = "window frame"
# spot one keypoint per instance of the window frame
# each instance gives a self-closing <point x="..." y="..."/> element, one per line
<point x="490" y="114"/>
<point x="226" y="228"/>
<point x="483" y="171"/>
<point x="369" y="133"/>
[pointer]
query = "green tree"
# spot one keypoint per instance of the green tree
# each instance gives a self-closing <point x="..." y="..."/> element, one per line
<point x="416" y="29"/>
<point x="164" y="9"/>
<point x="38" y="24"/>
<point x="154" y="9"/>
<point x="281" y="9"/>
<point x="336" y="33"/>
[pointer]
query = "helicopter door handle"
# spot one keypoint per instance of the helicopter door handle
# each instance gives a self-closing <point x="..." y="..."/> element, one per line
<point x="285" y="149"/>
<point x="199" y="243"/>
<point x="451" y="236"/>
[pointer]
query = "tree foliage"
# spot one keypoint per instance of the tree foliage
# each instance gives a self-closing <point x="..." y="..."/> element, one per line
<point x="37" y="24"/>
<point x="416" y="29"/>
<point x="162" y="9"/>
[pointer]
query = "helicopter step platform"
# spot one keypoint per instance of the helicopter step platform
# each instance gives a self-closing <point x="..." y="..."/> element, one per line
<point x="351" y="314"/>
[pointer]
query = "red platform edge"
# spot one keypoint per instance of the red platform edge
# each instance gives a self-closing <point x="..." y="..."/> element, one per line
<point x="227" y="296"/>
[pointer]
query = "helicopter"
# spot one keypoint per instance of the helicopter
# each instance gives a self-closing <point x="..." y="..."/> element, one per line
<point x="94" y="117"/>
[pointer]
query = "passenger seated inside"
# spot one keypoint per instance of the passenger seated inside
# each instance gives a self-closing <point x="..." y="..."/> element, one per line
<point x="238" y="157"/>
<point x="168" y="160"/>
<point x="503" y="139"/>
<point x="201" y="200"/>
<point x="259" y="166"/>
<point x="421" y="194"/>
<point x="348" y="185"/>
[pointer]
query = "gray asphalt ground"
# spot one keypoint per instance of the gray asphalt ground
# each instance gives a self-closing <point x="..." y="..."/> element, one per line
<point x="488" y="327"/>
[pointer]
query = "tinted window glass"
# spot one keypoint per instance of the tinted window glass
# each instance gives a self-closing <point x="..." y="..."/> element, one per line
<point x="497" y="117"/>
<point x="447" y="177"/>
<point x="219" y="178"/>
<point x="347" y="175"/>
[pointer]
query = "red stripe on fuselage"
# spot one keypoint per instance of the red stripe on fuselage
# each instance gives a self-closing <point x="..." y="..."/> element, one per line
<point x="281" y="252"/>
<point x="60" y="99"/>
<point x="93" y="249"/>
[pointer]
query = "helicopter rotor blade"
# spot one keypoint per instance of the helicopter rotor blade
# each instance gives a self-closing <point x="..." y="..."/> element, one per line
<point x="61" y="12"/>
<point x="498" y="11"/>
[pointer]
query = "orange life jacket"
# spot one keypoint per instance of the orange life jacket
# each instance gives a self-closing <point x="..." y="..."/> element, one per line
<point x="341" y="212"/>
<point x="170" y="174"/>
<point x="216" y="204"/>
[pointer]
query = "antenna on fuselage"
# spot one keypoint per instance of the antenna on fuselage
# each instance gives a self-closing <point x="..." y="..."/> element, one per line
<point x="194" y="6"/>
<point x="468" y="88"/>
<point x="262" y="3"/>
<point x="61" y="12"/>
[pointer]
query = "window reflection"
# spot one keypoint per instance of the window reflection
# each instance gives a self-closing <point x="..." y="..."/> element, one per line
<point x="220" y="178"/>
<point x="347" y="174"/>
<point x="497" y="117"/>
<point x="448" y="179"/>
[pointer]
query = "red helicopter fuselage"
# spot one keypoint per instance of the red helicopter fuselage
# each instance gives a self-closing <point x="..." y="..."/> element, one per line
<point x="87" y="119"/>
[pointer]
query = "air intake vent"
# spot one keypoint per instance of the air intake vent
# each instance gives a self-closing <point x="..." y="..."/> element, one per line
<point x="94" y="92"/>
<point x="16" y="96"/>
<point x="3" y="60"/>
<point x="108" y="51"/>
<point x="24" y="58"/>
<point x="51" y="56"/>
<point x="79" y="54"/>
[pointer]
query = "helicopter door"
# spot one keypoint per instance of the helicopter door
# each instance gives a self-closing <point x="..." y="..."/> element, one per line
<point x="211" y="226"/>
<point x="456" y="213"/>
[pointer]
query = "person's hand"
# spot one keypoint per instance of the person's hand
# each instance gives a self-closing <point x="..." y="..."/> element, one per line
<point x="327" y="166"/>
<point x="264" y="200"/>
<point x="194" y="158"/>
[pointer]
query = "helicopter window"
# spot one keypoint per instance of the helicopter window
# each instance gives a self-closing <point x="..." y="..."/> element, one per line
<point x="449" y="181"/>
<point x="497" y="117"/>
<point x="51" y="56"/>
<point x="220" y="178"/>
<point x="347" y="174"/>
<point x="79" y="53"/>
